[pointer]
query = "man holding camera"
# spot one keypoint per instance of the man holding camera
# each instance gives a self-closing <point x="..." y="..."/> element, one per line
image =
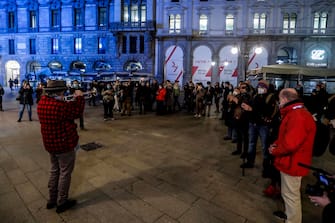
<point x="328" y="214"/>
<point x="294" y="145"/>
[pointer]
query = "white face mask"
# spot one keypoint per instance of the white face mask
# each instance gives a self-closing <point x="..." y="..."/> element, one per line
<point x="261" y="91"/>
<point x="235" y="93"/>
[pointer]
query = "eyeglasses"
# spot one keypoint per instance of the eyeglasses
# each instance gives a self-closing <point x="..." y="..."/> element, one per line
<point x="243" y="87"/>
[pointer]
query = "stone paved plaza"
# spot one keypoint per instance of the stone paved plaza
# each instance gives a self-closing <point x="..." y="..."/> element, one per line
<point x="150" y="169"/>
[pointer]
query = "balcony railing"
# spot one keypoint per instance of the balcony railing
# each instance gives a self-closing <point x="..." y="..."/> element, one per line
<point x="132" y="26"/>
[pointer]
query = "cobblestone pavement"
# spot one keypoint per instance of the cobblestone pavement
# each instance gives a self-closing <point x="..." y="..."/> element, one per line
<point x="150" y="169"/>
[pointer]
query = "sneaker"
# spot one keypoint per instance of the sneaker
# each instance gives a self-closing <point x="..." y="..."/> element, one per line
<point x="280" y="215"/>
<point x="66" y="205"/>
<point x="19" y="120"/>
<point x="247" y="165"/>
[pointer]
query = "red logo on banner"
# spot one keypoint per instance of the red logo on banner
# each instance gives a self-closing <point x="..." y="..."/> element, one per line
<point x="209" y="73"/>
<point x="194" y="69"/>
<point x="220" y="70"/>
<point x="235" y="73"/>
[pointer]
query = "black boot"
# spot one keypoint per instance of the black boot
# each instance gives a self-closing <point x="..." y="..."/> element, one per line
<point x="266" y="173"/>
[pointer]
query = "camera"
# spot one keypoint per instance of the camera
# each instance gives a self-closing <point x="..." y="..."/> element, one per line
<point x="323" y="183"/>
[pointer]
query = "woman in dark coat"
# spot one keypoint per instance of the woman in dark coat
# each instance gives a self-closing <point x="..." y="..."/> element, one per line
<point x="25" y="99"/>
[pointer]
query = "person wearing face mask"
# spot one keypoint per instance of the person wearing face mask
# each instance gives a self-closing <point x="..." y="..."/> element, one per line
<point x="294" y="145"/>
<point x="240" y="119"/>
<point x="262" y="110"/>
<point x="108" y="102"/>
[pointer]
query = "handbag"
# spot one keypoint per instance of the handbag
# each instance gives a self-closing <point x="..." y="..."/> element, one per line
<point x="18" y="97"/>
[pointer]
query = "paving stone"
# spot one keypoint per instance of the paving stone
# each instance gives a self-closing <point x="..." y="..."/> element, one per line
<point x="12" y="209"/>
<point x="28" y="192"/>
<point x="16" y="176"/>
<point x="162" y="201"/>
<point x="150" y="169"/>
<point x="166" y="219"/>
<point x="38" y="209"/>
<point x="136" y="206"/>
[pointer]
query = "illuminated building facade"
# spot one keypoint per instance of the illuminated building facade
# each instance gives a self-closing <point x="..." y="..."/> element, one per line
<point x="199" y="40"/>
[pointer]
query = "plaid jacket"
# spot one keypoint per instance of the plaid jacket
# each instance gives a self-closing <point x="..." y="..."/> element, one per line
<point x="59" y="131"/>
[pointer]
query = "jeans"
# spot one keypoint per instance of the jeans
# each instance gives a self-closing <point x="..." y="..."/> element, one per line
<point x="22" y="107"/>
<point x="262" y="131"/>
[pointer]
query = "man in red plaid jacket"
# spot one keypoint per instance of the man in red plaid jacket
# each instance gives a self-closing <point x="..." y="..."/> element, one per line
<point x="60" y="139"/>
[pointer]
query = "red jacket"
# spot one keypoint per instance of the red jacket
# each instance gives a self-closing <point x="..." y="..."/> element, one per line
<point x="160" y="95"/>
<point x="295" y="140"/>
<point x="59" y="131"/>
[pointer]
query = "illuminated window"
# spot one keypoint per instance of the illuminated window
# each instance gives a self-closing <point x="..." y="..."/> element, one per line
<point x="32" y="19"/>
<point x="78" y="45"/>
<point x="259" y="23"/>
<point x="230" y="23"/>
<point x="289" y="23"/>
<point x="134" y="12"/>
<point x="54" y="46"/>
<point x="203" y="23"/>
<point x="175" y="23"/>
<point x="102" y="45"/>
<point x="320" y="22"/>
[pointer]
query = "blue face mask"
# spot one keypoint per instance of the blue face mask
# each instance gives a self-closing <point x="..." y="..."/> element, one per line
<point x="75" y="85"/>
<point x="109" y="87"/>
<point x="59" y="98"/>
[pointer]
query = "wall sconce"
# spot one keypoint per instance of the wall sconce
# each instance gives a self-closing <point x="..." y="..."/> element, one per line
<point x="234" y="50"/>
<point x="258" y="50"/>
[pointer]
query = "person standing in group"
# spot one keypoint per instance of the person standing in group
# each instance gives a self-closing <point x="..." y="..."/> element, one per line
<point x="26" y="99"/>
<point x="11" y="83"/>
<point x="76" y="86"/>
<point x="176" y="94"/>
<point x="2" y="92"/>
<point x="160" y="100"/>
<point x="294" y="145"/>
<point x="60" y="139"/>
<point x="208" y="98"/>
<point x="108" y="102"/>
<point x="199" y="93"/>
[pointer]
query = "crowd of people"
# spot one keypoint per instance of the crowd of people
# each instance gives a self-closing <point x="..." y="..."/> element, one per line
<point x="279" y="117"/>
